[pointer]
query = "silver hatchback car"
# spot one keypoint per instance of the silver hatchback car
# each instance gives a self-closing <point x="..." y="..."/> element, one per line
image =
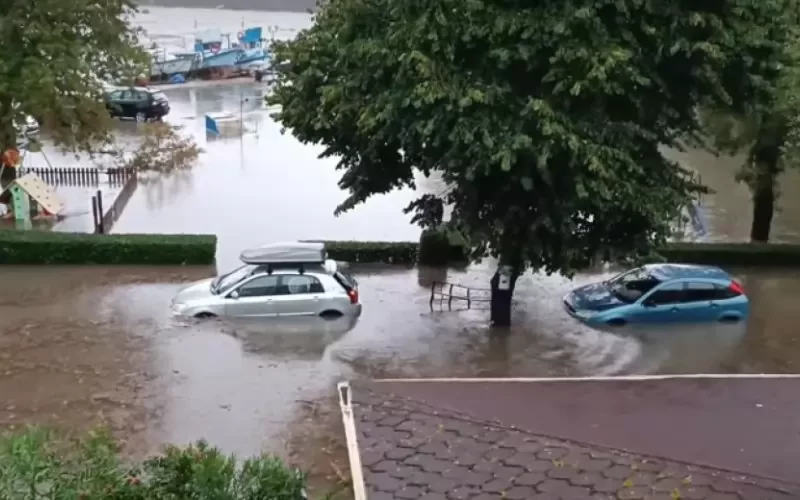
<point x="284" y="279"/>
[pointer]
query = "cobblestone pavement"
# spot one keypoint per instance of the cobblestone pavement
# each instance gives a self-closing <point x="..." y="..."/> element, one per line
<point x="413" y="450"/>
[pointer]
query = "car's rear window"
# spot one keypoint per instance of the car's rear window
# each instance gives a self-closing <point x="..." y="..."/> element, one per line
<point x="345" y="280"/>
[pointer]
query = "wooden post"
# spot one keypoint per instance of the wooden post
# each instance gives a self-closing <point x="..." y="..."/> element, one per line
<point x="95" y="216"/>
<point x="433" y="290"/>
<point x="101" y="225"/>
<point x="469" y="300"/>
<point x="450" y="298"/>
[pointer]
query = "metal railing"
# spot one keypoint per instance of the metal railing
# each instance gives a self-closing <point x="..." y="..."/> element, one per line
<point x="450" y="292"/>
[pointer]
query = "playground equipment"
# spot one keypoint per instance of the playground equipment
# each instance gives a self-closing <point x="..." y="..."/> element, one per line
<point x="29" y="193"/>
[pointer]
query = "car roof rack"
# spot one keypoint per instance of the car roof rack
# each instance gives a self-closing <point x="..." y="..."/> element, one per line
<point x="285" y="253"/>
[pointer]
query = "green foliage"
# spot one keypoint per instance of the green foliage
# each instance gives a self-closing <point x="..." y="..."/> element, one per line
<point x="385" y="252"/>
<point x="55" y="55"/>
<point x="543" y="119"/>
<point x="38" y="464"/>
<point x="162" y="149"/>
<point x="442" y="246"/>
<point x="47" y="247"/>
<point x="722" y="254"/>
<point x="734" y="254"/>
<point x="768" y="130"/>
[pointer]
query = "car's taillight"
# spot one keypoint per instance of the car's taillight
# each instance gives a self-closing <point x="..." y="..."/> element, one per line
<point x="353" y="294"/>
<point x="736" y="287"/>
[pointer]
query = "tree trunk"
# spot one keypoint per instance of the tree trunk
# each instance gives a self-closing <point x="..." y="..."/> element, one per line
<point x="502" y="293"/>
<point x="763" y="209"/>
<point x="763" y="191"/>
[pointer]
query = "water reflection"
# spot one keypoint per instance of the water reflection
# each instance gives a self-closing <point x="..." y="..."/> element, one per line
<point x="289" y="338"/>
<point x="160" y="190"/>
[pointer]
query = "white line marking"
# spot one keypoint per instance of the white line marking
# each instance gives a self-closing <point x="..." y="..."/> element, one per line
<point x="354" y="455"/>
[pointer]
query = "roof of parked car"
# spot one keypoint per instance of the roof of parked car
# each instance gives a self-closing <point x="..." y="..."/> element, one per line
<point x="685" y="271"/>
<point x="285" y="253"/>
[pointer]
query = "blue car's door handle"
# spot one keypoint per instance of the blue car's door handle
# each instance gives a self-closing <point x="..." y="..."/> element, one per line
<point x="713" y="304"/>
<point x="674" y="309"/>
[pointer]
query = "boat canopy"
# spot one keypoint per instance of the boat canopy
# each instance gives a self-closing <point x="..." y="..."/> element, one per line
<point x="285" y="253"/>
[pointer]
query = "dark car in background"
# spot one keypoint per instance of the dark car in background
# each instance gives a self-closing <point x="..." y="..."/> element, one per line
<point x="139" y="103"/>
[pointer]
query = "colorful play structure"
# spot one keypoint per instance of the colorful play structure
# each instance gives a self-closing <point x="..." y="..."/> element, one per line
<point x="31" y="197"/>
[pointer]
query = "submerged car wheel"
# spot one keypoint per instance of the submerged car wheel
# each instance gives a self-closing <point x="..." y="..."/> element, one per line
<point x="330" y="314"/>
<point x="616" y="322"/>
<point x="141" y="117"/>
<point x="205" y="315"/>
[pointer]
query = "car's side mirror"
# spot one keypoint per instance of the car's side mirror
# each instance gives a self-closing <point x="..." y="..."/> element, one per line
<point x="234" y="295"/>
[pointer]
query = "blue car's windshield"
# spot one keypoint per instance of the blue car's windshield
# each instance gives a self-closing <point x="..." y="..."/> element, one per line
<point x="630" y="286"/>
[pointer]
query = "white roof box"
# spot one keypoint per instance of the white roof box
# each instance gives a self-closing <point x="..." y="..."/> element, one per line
<point x="285" y="253"/>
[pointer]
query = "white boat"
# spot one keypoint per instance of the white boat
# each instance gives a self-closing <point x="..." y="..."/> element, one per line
<point x="173" y="64"/>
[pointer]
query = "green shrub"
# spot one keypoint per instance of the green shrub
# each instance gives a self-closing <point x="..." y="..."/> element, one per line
<point x="395" y="252"/>
<point x="49" y="247"/>
<point x="722" y="254"/>
<point x="38" y="464"/>
<point x="733" y="254"/>
<point x="442" y="246"/>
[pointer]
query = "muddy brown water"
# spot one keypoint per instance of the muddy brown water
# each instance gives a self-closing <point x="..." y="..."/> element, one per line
<point x="87" y="346"/>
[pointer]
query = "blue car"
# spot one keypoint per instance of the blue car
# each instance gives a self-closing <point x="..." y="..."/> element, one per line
<point x="658" y="294"/>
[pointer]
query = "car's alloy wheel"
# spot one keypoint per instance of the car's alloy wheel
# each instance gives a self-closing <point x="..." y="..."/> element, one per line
<point x="141" y="117"/>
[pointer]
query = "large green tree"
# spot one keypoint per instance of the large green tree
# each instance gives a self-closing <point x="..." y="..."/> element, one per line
<point x="768" y="129"/>
<point x="543" y="118"/>
<point x="55" y="56"/>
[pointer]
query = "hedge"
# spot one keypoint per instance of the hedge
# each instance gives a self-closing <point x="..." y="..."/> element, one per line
<point x="734" y="254"/>
<point x="722" y="254"/>
<point x="50" y="247"/>
<point x="385" y="252"/>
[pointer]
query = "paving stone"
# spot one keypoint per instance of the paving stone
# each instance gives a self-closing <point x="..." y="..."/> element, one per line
<point x="398" y="453"/>
<point x="562" y="472"/>
<point x="530" y="479"/>
<point x="518" y="493"/>
<point x="410" y="492"/>
<point x="607" y="485"/>
<point x="411" y="451"/>
<point x="696" y="492"/>
<point x="499" y="454"/>
<point x="633" y="493"/>
<point x="440" y="484"/>
<point x="642" y="478"/>
<point x="462" y="493"/>
<point x="497" y="486"/>
<point x="593" y="464"/>
<point x="508" y="472"/>
<point x="429" y="496"/>
<point x="552" y="453"/>
<point x="586" y="478"/>
<point x="618" y="472"/>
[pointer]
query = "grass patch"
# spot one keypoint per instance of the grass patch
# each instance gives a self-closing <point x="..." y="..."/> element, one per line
<point x="38" y="464"/>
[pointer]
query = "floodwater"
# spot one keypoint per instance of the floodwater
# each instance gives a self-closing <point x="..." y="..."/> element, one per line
<point x="81" y="346"/>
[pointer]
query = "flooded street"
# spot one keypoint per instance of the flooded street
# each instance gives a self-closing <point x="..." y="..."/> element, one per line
<point x="82" y="346"/>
